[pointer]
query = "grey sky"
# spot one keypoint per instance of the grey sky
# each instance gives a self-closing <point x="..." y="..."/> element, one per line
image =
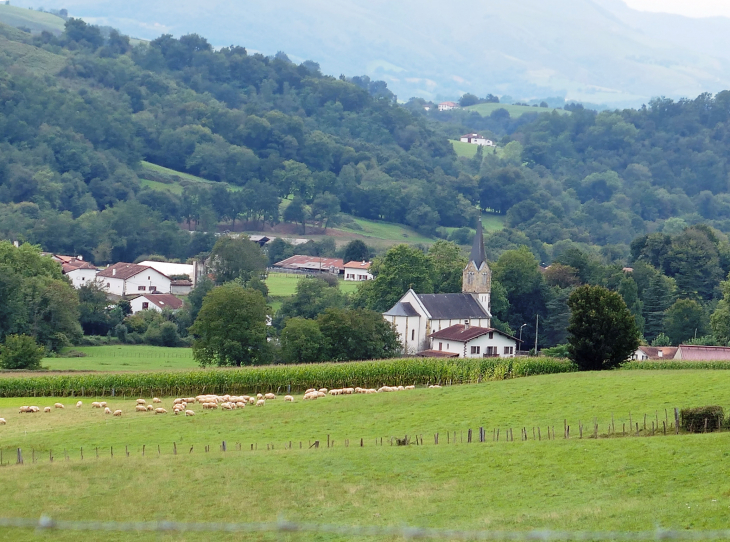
<point x="695" y="8"/>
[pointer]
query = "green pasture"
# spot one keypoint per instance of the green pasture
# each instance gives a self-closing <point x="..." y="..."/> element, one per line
<point x="385" y="231"/>
<point x="36" y="21"/>
<point x="514" y="110"/>
<point x="623" y="483"/>
<point x="33" y="59"/>
<point x="468" y="150"/>
<point x="123" y="358"/>
<point x="284" y="284"/>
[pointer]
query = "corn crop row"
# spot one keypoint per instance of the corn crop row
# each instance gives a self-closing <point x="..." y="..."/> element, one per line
<point x="674" y="365"/>
<point x="277" y="378"/>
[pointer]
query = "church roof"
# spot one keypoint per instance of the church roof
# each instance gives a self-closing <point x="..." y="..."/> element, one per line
<point x="478" y="255"/>
<point x="402" y="308"/>
<point x="452" y="306"/>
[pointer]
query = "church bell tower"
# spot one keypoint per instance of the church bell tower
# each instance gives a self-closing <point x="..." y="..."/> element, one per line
<point x="477" y="277"/>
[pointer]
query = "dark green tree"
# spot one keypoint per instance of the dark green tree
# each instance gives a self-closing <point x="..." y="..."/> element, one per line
<point x="21" y="352"/>
<point x="358" y="334"/>
<point x="302" y="342"/>
<point x="448" y="265"/>
<point x="602" y="330"/>
<point x="312" y="297"/>
<point x="356" y="251"/>
<point x="685" y="319"/>
<point x="233" y="258"/>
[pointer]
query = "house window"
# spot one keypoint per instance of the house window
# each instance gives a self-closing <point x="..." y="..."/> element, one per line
<point x="153" y="288"/>
<point x="108" y="284"/>
<point x="145" y="305"/>
<point x="475" y="349"/>
<point x="511" y="349"/>
<point x="413" y="334"/>
<point x="141" y="288"/>
<point x="441" y="346"/>
<point x="491" y="335"/>
<point x="506" y="349"/>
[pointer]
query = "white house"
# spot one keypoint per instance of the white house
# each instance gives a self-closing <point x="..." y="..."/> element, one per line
<point x="358" y="271"/>
<point x="447" y="106"/>
<point x="476" y="139"/>
<point x="417" y="316"/>
<point x="157" y="302"/>
<point x="169" y="269"/>
<point x="82" y="276"/>
<point x="653" y="353"/>
<point x="466" y="341"/>
<point x="128" y="278"/>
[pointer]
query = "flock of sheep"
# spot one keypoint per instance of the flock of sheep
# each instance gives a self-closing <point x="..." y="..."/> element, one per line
<point x="224" y="402"/>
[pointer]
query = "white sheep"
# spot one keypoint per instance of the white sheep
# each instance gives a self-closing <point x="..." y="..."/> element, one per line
<point x="149" y="408"/>
<point x="348" y="391"/>
<point x="190" y="400"/>
<point x="160" y="411"/>
<point x="260" y="402"/>
<point x="259" y="396"/>
<point x="434" y="386"/>
<point x="2" y="421"/>
<point x="410" y="387"/>
<point x="107" y="410"/>
<point x="156" y="400"/>
<point x="140" y="408"/>
<point x="240" y="404"/>
<point x="335" y="392"/>
<point x="78" y="404"/>
<point x="117" y="412"/>
<point x="322" y="390"/>
<point x="311" y="395"/>
<point x="252" y="400"/>
<point x="58" y="405"/>
<point x="288" y="399"/>
<point x="178" y="401"/>
<point x="226" y="406"/>
<point x="141" y="402"/>
<point x="189" y="413"/>
<point x="34" y="409"/>
<point x="95" y="404"/>
<point x="47" y="409"/>
<point x="102" y="404"/>
<point x="310" y="390"/>
<point x="23" y="409"/>
<point x="371" y="390"/>
<point x="270" y="396"/>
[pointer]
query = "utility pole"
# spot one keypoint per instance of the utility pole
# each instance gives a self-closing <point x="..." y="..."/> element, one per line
<point x="537" y="324"/>
<point x="520" y="346"/>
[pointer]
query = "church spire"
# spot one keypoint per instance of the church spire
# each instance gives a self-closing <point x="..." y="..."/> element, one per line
<point x="478" y="255"/>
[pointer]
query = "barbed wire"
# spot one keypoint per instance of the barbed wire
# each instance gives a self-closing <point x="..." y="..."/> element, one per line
<point x="283" y="526"/>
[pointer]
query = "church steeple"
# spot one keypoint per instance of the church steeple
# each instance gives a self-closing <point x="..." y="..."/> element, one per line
<point x="477" y="277"/>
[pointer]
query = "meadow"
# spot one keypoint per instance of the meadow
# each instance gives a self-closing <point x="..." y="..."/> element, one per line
<point x="622" y="483"/>
<point x="514" y="111"/>
<point x="285" y="284"/>
<point x="36" y="21"/>
<point x="123" y="358"/>
<point x="468" y="150"/>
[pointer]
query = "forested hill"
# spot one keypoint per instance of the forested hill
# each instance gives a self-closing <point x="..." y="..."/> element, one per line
<point x="80" y="111"/>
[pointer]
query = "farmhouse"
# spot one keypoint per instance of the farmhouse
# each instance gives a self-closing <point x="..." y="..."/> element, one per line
<point x="312" y="263"/>
<point x="447" y="106"/>
<point x="476" y="139"/>
<point x="79" y="272"/>
<point x="652" y="353"/>
<point x="128" y="278"/>
<point x="358" y="271"/>
<point x="417" y="316"/>
<point x="466" y="341"/>
<point x="157" y="302"/>
<point x="193" y="271"/>
<point x="687" y="352"/>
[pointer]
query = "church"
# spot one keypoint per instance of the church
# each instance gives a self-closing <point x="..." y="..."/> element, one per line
<point x="423" y="320"/>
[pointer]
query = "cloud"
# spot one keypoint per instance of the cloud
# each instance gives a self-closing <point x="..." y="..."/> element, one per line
<point x="696" y="8"/>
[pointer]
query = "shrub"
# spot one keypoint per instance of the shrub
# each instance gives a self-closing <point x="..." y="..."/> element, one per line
<point x="702" y="419"/>
<point x="21" y="352"/>
<point x="559" y="351"/>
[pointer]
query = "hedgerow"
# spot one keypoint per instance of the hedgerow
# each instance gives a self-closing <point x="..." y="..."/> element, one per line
<point x="674" y="365"/>
<point x="402" y="371"/>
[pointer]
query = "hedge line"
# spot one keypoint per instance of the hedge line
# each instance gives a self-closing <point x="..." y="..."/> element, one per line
<point x="277" y="378"/>
<point x="674" y="365"/>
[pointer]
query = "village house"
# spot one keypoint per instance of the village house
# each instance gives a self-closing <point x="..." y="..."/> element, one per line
<point x="653" y="353"/>
<point x="78" y="271"/>
<point x="192" y="271"/>
<point x="358" y="271"/>
<point x="448" y="106"/>
<point x="156" y="302"/>
<point x="466" y="341"/>
<point x="417" y="316"/>
<point x="476" y="139"/>
<point x="123" y="279"/>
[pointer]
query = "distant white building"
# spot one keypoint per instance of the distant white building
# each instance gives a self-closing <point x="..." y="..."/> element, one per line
<point x="476" y="139"/>
<point x="175" y="269"/>
<point x="156" y="302"/>
<point x="447" y="106"/>
<point x="358" y="271"/>
<point x="82" y="276"/>
<point x="466" y="341"/>
<point x="123" y="279"/>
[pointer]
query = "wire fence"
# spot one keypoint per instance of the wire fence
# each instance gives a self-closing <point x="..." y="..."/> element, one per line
<point x="46" y="523"/>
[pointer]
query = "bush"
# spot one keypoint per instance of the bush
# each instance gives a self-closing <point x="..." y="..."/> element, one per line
<point x="559" y="351"/>
<point x="702" y="419"/>
<point x="21" y="352"/>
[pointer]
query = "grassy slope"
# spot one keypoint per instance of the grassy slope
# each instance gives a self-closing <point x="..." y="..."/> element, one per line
<point x="622" y="483"/>
<point x="385" y="231"/>
<point x="37" y="21"/>
<point x="124" y="358"/>
<point x="284" y="285"/>
<point x="14" y="51"/>
<point x="513" y="110"/>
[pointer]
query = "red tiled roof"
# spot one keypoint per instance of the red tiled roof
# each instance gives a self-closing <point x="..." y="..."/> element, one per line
<point x="668" y="352"/>
<point x="461" y="333"/>
<point x="74" y="265"/>
<point x="164" y="301"/>
<point x="181" y="282"/>
<point x="436" y="354"/>
<point x="703" y="353"/>
<point x="358" y="265"/>
<point x="124" y="270"/>
<point x="310" y="262"/>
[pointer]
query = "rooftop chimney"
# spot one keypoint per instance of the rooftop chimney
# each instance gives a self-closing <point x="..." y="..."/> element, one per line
<point x="114" y="272"/>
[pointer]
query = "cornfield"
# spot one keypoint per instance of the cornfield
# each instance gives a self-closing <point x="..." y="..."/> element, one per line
<point x="674" y="365"/>
<point x="278" y="378"/>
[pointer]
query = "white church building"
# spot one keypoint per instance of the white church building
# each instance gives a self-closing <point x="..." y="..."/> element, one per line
<point x="417" y="317"/>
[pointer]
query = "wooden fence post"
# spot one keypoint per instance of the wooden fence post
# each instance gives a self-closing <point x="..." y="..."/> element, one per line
<point x="676" y="421"/>
<point x="20" y="458"/>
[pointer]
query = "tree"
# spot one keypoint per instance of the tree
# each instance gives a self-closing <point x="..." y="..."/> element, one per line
<point x="661" y="340"/>
<point x="356" y="251"/>
<point x="602" y="330"/>
<point x="448" y="265"/>
<point x="657" y="298"/>
<point x="326" y="208"/>
<point x="685" y="319"/>
<point x="312" y="297"/>
<point x="562" y="276"/>
<point x="297" y="211"/>
<point x="233" y="258"/>
<point x="358" y="334"/>
<point x="94" y="314"/>
<point x="399" y="269"/>
<point x="231" y="328"/>
<point x="302" y="341"/>
<point x="21" y="352"/>
<point x="720" y="319"/>
<point x="629" y="291"/>
<point x="196" y="296"/>
<point x="468" y="99"/>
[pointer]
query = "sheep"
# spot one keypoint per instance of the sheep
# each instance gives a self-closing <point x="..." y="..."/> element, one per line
<point x="160" y="411"/>
<point x="156" y="400"/>
<point x="107" y="410"/>
<point x="310" y="390"/>
<point x="410" y="387"/>
<point x="103" y="404"/>
<point x="240" y="404"/>
<point x="47" y="409"/>
<point x="150" y="408"/>
<point x="34" y="409"/>
<point x="335" y="392"/>
<point x="178" y="401"/>
<point x="321" y="394"/>
<point x="23" y="409"/>
<point x="117" y="412"/>
<point x="95" y="405"/>
<point x="311" y="395"/>
<point x="259" y="396"/>
<point x="226" y="406"/>
<point x="261" y="402"/>
<point x="140" y="408"/>
<point x="434" y="386"/>
<point x="189" y="413"/>
<point x="322" y="390"/>
<point x="2" y="421"/>
<point x="360" y="390"/>
<point x="371" y="390"/>
<point x="348" y="391"/>
<point x="270" y="396"/>
<point x="288" y="399"/>
<point x="190" y="400"/>
<point x="141" y="402"/>
<point x="78" y="405"/>
<point x="252" y="400"/>
<point x="58" y="405"/>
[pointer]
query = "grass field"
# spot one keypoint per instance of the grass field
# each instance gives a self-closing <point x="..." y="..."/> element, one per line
<point x="284" y="285"/>
<point x="385" y="231"/>
<point x="514" y="110"/>
<point x="468" y="150"/>
<point x="37" y="21"/>
<point x="631" y="483"/>
<point x="124" y="358"/>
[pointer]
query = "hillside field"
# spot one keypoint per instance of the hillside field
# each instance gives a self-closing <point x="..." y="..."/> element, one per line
<point x="123" y="358"/>
<point x="468" y="150"/>
<point x="514" y="111"/>
<point x="622" y="483"/>
<point x="36" y="21"/>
